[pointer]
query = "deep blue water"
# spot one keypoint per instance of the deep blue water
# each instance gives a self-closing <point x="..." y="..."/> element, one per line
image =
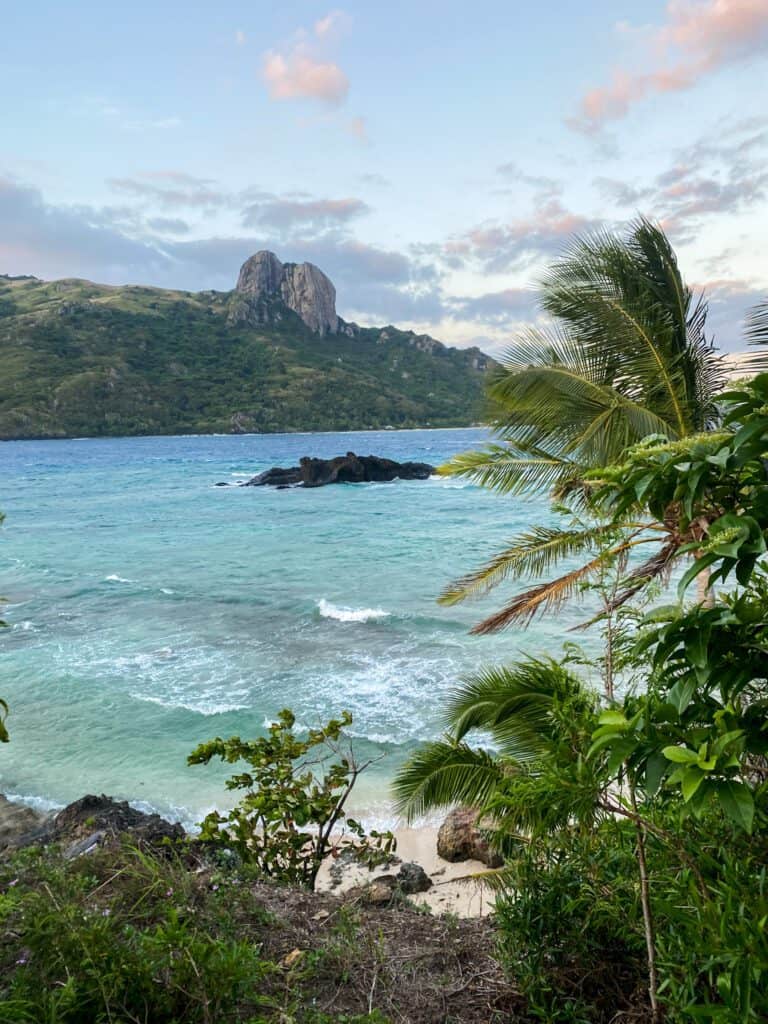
<point x="151" y="610"/>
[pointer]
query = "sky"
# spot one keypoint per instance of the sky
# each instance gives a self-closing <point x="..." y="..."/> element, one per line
<point x="431" y="158"/>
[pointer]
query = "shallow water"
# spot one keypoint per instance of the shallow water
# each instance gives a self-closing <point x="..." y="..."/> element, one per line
<point x="151" y="610"/>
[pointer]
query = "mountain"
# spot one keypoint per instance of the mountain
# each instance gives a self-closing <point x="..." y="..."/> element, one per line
<point x="83" y="359"/>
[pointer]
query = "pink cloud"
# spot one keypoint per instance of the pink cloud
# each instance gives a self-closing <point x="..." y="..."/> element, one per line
<point x="695" y="40"/>
<point x="300" y="76"/>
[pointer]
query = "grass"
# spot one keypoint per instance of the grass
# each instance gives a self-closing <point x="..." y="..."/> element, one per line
<point x="125" y="935"/>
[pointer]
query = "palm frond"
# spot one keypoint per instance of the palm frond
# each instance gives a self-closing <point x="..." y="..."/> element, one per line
<point x="757" y="324"/>
<point x="444" y="773"/>
<point x="510" y="469"/>
<point x="515" y="705"/>
<point x="551" y="595"/>
<point x="625" y="297"/>
<point x="531" y="554"/>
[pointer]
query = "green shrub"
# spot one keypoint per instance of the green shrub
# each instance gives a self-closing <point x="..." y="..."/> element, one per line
<point x="138" y="945"/>
<point x="292" y="815"/>
<point x="570" y="931"/>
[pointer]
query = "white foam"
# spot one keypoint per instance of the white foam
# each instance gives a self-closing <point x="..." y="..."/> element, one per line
<point x="37" y="803"/>
<point x="114" y="578"/>
<point x="167" y="590"/>
<point x="202" y="706"/>
<point x="331" y="611"/>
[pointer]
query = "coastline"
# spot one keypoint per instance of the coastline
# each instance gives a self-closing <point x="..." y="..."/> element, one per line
<point x="453" y="891"/>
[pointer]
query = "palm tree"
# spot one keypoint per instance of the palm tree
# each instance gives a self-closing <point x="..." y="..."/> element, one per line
<point x="528" y="710"/>
<point x="627" y="356"/>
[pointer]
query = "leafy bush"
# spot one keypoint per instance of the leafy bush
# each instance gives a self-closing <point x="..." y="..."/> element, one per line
<point x="570" y="931"/>
<point x="78" y="949"/>
<point x="290" y="818"/>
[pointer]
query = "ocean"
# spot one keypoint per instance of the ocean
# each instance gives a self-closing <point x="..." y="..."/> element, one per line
<point x="150" y="610"/>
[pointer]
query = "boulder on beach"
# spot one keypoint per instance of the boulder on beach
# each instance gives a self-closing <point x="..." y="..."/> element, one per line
<point x="461" y="838"/>
<point x="344" y="469"/>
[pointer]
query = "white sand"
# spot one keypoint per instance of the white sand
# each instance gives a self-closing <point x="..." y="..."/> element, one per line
<point x="447" y="895"/>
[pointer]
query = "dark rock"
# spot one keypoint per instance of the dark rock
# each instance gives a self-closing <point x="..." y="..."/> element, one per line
<point x="79" y="822"/>
<point x="344" y="469"/>
<point x="460" y="838"/>
<point x="276" y="477"/>
<point x="114" y="817"/>
<point x="413" y="878"/>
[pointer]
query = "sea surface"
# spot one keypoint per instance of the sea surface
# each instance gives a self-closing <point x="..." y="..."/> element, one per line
<point x="150" y="610"/>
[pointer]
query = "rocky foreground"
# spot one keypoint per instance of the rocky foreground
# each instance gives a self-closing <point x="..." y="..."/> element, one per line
<point x="344" y="469"/>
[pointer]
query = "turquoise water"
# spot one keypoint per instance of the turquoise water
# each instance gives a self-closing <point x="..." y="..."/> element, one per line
<point x="151" y="610"/>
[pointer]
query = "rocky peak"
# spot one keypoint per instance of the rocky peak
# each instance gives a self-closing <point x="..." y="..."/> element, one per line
<point x="260" y="275"/>
<point x="302" y="287"/>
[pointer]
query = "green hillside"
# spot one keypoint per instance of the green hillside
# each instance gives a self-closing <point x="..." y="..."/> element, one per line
<point x="80" y="359"/>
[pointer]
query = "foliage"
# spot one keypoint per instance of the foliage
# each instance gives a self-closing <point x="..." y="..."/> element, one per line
<point x="291" y="818"/>
<point x="154" y="949"/>
<point x="627" y="356"/>
<point x="627" y="360"/>
<point x="569" y="925"/>
<point x="671" y="778"/>
<point x="123" y="936"/>
<point x="527" y="710"/>
<point x="83" y="359"/>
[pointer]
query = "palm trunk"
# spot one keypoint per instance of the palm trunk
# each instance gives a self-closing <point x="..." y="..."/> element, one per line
<point x="704" y="592"/>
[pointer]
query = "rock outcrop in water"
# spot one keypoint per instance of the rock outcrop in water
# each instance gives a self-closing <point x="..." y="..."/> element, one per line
<point x="264" y="283"/>
<point x="344" y="469"/>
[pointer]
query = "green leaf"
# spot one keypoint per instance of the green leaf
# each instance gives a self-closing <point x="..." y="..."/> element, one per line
<point x="738" y="803"/>
<point x="690" y="782"/>
<point x="680" y="755"/>
<point x="655" y="769"/>
<point x="613" y="717"/>
<point x="698" y="566"/>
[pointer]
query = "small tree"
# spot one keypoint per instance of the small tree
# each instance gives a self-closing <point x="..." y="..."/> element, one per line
<point x="293" y="813"/>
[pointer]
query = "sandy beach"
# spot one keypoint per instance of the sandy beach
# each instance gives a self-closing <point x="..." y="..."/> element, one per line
<point x="453" y="890"/>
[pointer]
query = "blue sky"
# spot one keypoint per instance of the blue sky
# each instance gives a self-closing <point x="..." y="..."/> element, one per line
<point x="430" y="157"/>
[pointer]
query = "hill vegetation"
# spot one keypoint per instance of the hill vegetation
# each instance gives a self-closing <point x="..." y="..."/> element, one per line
<point x="78" y="358"/>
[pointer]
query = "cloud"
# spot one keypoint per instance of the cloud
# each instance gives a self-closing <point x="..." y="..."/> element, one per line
<point x="315" y="214"/>
<point x="621" y="192"/>
<point x="502" y="246"/>
<point x="540" y="182"/>
<point x="300" y="76"/>
<point x="697" y="39"/>
<point x="724" y="172"/>
<point x="332" y="23"/>
<point x="373" y="178"/>
<point x="240" y="37"/>
<point x="64" y="241"/>
<point x="729" y="301"/>
<point x="509" y="306"/>
<point x="169" y="225"/>
<point x="180" y="191"/>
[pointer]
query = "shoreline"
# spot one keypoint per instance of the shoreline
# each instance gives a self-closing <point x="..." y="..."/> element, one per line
<point x="453" y="890"/>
